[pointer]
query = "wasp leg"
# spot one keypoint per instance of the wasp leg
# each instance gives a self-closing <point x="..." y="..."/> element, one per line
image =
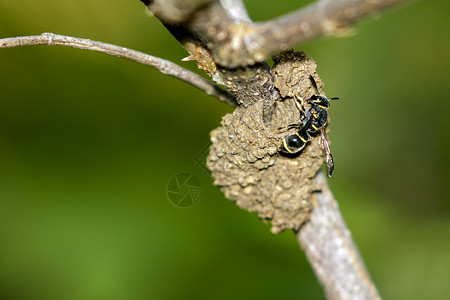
<point x="299" y="103"/>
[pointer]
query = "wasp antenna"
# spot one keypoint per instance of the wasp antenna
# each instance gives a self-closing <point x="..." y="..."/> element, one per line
<point x="334" y="98"/>
<point x="314" y="84"/>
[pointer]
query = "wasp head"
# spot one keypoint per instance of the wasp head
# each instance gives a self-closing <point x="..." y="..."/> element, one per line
<point x="321" y="101"/>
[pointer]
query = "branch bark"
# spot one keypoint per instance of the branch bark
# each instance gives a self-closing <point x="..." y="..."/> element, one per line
<point x="235" y="9"/>
<point x="211" y="27"/>
<point x="331" y="251"/>
<point x="235" y="42"/>
<point x="322" y="18"/>
<point x="164" y="66"/>
<point x="175" y="11"/>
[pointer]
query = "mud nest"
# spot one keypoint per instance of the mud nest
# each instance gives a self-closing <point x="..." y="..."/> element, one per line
<point x="245" y="158"/>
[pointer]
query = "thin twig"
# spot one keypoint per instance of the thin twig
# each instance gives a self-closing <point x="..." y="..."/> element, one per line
<point x="164" y="66"/>
<point x="332" y="253"/>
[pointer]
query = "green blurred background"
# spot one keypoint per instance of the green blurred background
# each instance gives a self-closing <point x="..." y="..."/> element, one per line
<point x="89" y="142"/>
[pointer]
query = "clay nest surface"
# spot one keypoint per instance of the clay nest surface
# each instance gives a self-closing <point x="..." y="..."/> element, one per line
<point x="245" y="158"/>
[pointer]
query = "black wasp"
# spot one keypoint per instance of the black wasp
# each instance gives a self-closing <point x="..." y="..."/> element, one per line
<point x="313" y="120"/>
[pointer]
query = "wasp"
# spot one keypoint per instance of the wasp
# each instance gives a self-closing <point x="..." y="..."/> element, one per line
<point x="313" y="120"/>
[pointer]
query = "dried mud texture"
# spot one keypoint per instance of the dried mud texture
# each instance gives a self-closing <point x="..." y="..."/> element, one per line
<point x="291" y="72"/>
<point x="245" y="160"/>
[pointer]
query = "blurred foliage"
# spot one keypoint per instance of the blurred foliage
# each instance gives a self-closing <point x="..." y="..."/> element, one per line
<point x="89" y="142"/>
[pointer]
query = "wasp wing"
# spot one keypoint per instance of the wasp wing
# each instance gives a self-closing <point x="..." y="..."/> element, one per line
<point x="329" y="157"/>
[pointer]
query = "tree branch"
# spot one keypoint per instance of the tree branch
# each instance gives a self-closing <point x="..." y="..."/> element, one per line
<point x="175" y="11"/>
<point x="164" y="66"/>
<point x="235" y="41"/>
<point x="322" y="18"/>
<point x="236" y="9"/>
<point x="333" y="255"/>
<point x="210" y="28"/>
